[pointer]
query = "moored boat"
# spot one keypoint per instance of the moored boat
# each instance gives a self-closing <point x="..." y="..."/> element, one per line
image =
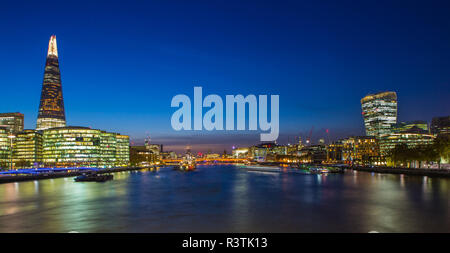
<point x="93" y="177"/>
<point x="188" y="163"/>
<point x="318" y="170"/>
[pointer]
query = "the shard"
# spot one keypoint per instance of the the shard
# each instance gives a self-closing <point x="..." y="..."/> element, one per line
<point x="51" y="108"/>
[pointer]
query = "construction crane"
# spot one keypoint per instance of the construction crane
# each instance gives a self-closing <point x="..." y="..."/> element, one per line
<point x="328" y="136"/>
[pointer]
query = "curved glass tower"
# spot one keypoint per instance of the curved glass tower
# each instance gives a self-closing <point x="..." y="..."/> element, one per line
<point x="51" y="109"/>
<point x="379" y="112"/>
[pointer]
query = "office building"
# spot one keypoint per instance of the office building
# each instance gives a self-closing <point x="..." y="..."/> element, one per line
<point x="361" y="150"/>
<point x="13" y="121"/>
<point x="84" y="147"/>
<point x="411" y="139"/>
<point x="312" y="154"/>
<point x="27" y="149"/>
<point x="414" y="126"/>
<point x="5" y="148"/>
<point x="440" y="125"/>
<point x="122" y="150"/>
<point x="51" y="108"/>
<point x="379" y="113"/>
<point x="334" y="152"/>
<point x="143" y="157"/>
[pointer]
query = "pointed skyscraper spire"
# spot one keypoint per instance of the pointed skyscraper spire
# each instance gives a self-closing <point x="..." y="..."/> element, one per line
<point x="51" y="109"/>
<point x="52" y="49"/>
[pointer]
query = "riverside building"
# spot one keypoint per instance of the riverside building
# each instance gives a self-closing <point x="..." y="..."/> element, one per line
<point x="51" y="108"/>
<point x="27" y="149"/>
<point x="417" y="126"/>
<point x="361" y="150"/>
<point x="84" y="147"/>
<point x="334" y="152"/>
<point x="53" y="144"/>
<point x="379" y="112"/>
<point x="412" y="134"/>
<point x="440" y="125"/>
<point x="12" y="121"/>
<point x="58" y="145"/>
<point x="411" y="139"/>
<point x="5" y="146"/>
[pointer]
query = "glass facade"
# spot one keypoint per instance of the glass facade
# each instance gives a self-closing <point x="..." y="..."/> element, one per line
<point x="108" y="149"/>
<point x="51" y="108"/>
<point x="379" y="112"/>
<point x="415" y="126"/>
<point x="5" y="146"/>
<point x="27" y="149"/>
<point x="389" y="141"/>
<point x="84" y="147"/>
<point x="122" y="150"/>
<point x="13" y="121"/>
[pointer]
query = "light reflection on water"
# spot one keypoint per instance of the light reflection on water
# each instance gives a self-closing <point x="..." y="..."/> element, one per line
<point x="228" y="199"/>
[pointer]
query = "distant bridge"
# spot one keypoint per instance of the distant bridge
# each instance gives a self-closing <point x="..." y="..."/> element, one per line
<point x="207" y="160"/>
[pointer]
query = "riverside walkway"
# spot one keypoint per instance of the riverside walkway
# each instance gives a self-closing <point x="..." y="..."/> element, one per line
<point x="406" y="171"/>
<point x="47" y="173"/>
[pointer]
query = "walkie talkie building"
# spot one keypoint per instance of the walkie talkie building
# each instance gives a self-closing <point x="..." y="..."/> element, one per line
<point x="379" y="112"/>
<point x="51" y="108"/>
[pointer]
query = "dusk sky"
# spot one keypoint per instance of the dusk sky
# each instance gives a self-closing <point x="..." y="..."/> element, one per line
<point x="121" y="64"/>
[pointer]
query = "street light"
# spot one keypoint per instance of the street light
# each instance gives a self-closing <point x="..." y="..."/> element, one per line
<point x="11" y="137"/>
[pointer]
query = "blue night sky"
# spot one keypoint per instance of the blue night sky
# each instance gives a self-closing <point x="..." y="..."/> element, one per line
<point x="122" y="62"/>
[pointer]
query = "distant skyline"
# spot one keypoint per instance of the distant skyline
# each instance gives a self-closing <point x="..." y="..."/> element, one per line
<point x="121" y="64"/>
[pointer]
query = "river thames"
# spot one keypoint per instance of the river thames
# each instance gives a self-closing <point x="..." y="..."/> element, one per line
<point x="225" y="198"/>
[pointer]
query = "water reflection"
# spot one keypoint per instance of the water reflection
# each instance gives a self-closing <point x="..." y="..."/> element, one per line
<point x="228" y="199"/>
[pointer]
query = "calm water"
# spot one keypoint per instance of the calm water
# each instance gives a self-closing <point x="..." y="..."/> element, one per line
<point x="228" y="199"/>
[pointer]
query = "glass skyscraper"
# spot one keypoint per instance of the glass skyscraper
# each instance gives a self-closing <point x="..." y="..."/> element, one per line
<point x="379" y="112"/>
<point x="51" y="108"/>
<point x="53" y="144"/>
